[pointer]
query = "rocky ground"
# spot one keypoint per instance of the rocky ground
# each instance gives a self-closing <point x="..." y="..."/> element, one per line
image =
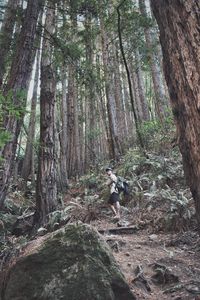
<point x="156" y="266"/>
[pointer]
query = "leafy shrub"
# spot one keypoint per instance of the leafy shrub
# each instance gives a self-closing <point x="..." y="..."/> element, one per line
<point x="156" y="135"/>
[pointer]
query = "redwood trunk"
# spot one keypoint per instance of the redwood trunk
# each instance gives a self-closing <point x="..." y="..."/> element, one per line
<point x="73" y="153"/>
<point x="46" y="192"/>
<point x="18" y="83"/>
<point x="63" y="141"/>
<point x="160" y="97"/>
<point x="113" y="141"/>
<point x="7" y="34"/>
<point x="179" y="25"/>
<point x="27" y="163"/>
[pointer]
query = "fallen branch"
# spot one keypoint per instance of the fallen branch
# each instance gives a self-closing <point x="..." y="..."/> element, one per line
<point x="120" y="230"/>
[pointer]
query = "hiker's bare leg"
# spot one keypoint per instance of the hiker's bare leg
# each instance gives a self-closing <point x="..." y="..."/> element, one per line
<point x="117" y="208"/>
<point x="113" y="209"/>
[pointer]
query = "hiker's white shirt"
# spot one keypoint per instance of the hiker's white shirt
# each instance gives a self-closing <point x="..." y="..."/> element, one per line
<point x="112" y="183"/>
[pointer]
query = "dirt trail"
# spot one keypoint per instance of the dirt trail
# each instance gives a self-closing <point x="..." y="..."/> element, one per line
<point x="157" y="266"/>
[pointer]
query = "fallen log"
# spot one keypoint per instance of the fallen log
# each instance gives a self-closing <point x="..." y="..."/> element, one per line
<point x="119" y="230"/>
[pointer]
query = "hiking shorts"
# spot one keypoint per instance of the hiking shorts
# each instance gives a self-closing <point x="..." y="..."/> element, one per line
<point x="114" y="197"/>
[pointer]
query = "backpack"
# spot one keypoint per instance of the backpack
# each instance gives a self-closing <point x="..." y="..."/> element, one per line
<point x="122" y="185"/>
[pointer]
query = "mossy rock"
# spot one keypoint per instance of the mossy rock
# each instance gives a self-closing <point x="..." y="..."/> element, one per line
<point x="73" y="263"/>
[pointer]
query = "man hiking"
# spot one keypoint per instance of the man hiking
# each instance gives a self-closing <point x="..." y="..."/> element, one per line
<point x="114" y="193"/>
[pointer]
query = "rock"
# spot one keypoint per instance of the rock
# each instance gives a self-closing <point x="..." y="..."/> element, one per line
<point x="42" y="231"/>
<point x="163" y="275"/>
<point x="72" y="263"/>
<point x="193" y="287"/>
<point x="124" y="209"/>
<point x="114" y="245"/>
<point x="153" y="237"/>
<point x="140" y="280"/>
<point x="123" y="223"/>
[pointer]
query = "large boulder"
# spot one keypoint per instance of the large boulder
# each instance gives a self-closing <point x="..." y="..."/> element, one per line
<point x="73" y="263"/>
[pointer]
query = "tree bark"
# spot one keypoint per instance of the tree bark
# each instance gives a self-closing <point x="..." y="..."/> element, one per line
<point x="140" y="85"/>
<point x="17" y="84"/>
<point x="160" y="97"/>
<point x="63" y="140"/>
<point x="73" y="153"/>
<point x="102" y="110"/>
<point x="26" y="167"/>
<point x="113" y="140"/>
<point x="91" y="128"/>
<point x="118" y="96"/>
<point x="179" y="24"/>
<point x="129" y="79"/>
<point x="7" y="29"/>
<point x="46" y="190"/>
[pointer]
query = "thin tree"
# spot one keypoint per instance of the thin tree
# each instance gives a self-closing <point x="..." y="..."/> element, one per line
<point x="113" y="140"/>
<point x="73" y="149"/>
<point x="128" y="77"/>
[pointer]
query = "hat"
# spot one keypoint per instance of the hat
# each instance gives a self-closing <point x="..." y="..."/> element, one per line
<point x="108" y="169"/>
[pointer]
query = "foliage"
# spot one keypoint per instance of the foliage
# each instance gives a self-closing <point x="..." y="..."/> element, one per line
<point x="8" y="108"/>
<point x="59" y="216"/>
<point x="91" y="181"/>
<point x="156" y="134"/>
<point x="4" y="137"/>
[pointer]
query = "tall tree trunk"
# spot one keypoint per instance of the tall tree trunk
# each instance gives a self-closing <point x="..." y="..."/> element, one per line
<point x="26" y="167"/>
<point x="73" y="157"/>
<point x="128" y="78"/>
<point x="113" y="142"/>
<point x="62" y="134"/>
<point x="46" y="191"/>
<point x="7" y="29"/>
<point x="161" y="101"/>
<point x="63" y="140"/>
<point x="90" y="92"/>
<point x="140" y="85"/>
<point x="137" y="102"/>
<point x="102" y="106"/>
<point x="118" y="96"/>
<point x="179" y="25"/>
<point x="126" y="105"/>
<point x="73" y="153"/>
<point x="28" y="162"/>
<point x="17" y="84"/>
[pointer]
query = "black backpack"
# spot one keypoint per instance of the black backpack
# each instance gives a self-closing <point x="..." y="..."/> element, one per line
<point x="122" y="185"/>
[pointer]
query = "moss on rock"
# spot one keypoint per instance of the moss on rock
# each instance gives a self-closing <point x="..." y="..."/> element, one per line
<point x="73" y="263"/>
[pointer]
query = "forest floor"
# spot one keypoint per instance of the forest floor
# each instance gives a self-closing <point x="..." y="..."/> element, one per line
<point x="156" y="266"/>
